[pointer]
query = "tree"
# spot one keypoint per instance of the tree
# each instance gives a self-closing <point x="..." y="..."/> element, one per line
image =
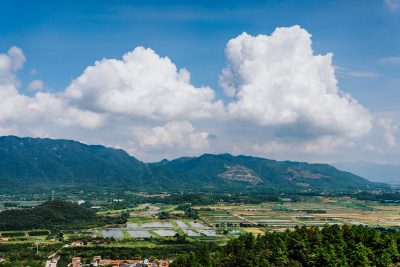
<point x="163" y="215"/>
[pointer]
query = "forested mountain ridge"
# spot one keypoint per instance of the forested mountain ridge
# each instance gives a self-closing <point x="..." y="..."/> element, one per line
<point x="228" y="169"/>
<point x="28" y="164"/>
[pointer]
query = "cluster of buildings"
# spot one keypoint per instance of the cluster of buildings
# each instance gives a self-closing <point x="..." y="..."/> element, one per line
<point x="52" y="262"/>
<point x="97" y="261"/>
<point x="157" y="195"/>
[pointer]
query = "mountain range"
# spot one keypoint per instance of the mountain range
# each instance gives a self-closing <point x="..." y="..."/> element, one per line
<point x="35" y="164"/>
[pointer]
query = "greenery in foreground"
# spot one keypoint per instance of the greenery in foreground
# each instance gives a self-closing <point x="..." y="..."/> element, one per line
<point x="330" y="246"/>
<point x="305" y="246"/>
<point x="24" y="254"/>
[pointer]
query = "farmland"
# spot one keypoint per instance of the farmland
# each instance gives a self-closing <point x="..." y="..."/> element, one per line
<point x="186" y="227"/>
<point x="312" y="211"/>
<point x="224" y="221"/>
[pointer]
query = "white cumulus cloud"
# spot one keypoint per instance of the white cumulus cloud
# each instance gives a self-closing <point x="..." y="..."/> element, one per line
<point x="279" y="88"/>
<point x="17" y="109"/>
<point x="9" y="64"/>
<point x="172" y="134"/>
<point x="36" y="85"/>
<point x="142" y="85"/>
<point x="278" y="81"/>
<point x="390" y="131"/>
<point x="322" y="145"/>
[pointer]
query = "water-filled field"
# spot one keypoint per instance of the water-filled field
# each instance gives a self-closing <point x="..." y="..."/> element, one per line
<point x="139" y="234"/>
<point x="157" y="225"/>
<point x="165" y="232"/>
<point x="210" y="233"/>
<point x="181" y="224"/>
<point x="112" y="233"/>
<point x="308" y="211"/>
<point x="132" y="225"/>
<point x="226" y="221"/>
<point x="191" y="233"/>
<point x="197" y="225"/>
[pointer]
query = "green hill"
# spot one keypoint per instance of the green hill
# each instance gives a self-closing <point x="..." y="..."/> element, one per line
<point x="49" y="215"/>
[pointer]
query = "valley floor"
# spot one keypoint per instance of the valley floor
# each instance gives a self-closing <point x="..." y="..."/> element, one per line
<point x="147" y="235"/>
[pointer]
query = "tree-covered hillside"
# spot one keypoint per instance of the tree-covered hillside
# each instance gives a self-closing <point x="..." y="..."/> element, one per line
<point x="56" y="214"/>
<point x="330" y="246"/>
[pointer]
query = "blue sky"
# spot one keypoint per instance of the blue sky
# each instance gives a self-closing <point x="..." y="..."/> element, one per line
<point x="60" y="39"/>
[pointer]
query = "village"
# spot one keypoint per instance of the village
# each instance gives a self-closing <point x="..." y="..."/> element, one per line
<point x="98" y="261"/>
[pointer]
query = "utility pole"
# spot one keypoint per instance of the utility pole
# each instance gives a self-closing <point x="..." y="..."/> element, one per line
<point x="37" y="246"/>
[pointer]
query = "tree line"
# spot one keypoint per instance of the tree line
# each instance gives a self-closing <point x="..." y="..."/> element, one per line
<point x="332" y="245"/>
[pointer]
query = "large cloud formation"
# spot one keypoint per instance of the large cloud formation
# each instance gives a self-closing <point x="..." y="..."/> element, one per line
<point x="172" y="134"/>
<point x="277" y="81"/>
<point x="143" y="85"/>
<point x="279" y="88"/>
<point x="18" y="109"/>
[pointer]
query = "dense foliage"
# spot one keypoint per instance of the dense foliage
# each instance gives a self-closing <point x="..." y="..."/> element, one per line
<point x="189" y="212"/>
<point x="24" y="254"/>
<point x="38" y="233"/>
<point x="330" y="246"/>
<point x="55" y="214"/>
